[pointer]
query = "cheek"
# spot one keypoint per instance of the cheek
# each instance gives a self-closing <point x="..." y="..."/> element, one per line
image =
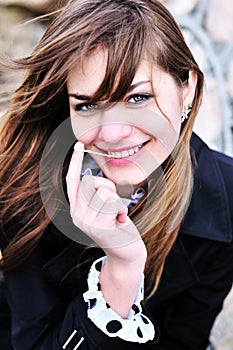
<point x="174" y="112"/>
<point x="170" y="102"/>
<point x="171" y="113"/>
<point x="84" y="129"/>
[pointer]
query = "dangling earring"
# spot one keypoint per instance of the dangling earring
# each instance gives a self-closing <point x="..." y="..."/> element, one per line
<point x="186" y="112"/>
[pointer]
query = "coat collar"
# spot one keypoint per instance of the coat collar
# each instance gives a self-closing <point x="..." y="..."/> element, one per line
<point x="209" y="212"/>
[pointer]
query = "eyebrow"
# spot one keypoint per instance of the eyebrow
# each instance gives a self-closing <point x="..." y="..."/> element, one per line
<point x="80" y="97"/>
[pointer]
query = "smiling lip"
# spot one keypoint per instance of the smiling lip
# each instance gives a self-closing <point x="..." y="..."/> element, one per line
<point x="124" y="153"/>
<point x="123" y="156"/>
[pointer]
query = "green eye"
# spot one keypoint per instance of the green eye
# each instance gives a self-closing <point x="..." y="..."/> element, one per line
<point x="85" y="108"/>
<point x="88" y="107"/>
<point x="138" y="99"/>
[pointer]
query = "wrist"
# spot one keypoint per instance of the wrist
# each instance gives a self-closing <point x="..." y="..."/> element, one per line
<point x="121" y="275"/>
<point x="130" y="256"/>
<point x="120" y="284"/>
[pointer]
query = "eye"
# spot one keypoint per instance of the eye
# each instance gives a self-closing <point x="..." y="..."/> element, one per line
<point x="138" y="99"/>
<point x="86" y="108"/>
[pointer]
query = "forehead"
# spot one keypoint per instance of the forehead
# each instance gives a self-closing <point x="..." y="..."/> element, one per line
<point x="88" y="73"/>
<point x="85" y="78"/>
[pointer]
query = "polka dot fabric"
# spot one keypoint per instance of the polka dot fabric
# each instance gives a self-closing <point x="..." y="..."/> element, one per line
<point x="136" y="328"/>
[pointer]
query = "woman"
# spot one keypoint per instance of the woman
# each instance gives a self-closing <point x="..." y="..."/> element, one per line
<point x="79" y="232"/>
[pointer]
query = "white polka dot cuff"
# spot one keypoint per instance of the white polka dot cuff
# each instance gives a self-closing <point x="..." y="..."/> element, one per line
<point x="136" y="328"/>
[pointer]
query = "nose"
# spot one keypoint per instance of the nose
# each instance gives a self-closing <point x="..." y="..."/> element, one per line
<point x="114" y="132"/>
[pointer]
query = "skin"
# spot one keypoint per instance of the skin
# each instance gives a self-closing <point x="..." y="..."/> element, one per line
<point x="113" y="130"/>
<point x="96" y="207"/>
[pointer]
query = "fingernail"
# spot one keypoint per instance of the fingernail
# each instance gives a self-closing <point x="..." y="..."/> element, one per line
<point x="78" y="146"/>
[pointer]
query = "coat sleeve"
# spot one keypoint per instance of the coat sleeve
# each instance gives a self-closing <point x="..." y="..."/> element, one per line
<point x="186" y="318"/>
<point x="43" y="320"/>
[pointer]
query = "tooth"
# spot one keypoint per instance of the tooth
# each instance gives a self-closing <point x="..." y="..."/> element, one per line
<point x="118" y="154"/>
<point x="131" y="152"/>
<point x="125" y="154"/>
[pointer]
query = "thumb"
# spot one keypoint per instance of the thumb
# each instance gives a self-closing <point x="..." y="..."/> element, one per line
<point x="122" y="215"/>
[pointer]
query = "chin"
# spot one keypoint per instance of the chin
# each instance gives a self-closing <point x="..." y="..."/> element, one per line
<point x="128" y="180"/>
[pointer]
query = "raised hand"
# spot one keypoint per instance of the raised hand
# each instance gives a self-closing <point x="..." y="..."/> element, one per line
<point x="99" y="212"/>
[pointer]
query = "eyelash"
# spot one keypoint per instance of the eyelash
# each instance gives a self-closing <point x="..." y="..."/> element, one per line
<point x="143" y="98"/>
<point x="85" y="107"/>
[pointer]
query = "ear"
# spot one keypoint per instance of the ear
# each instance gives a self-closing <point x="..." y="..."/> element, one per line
<point x="189" y="88"/>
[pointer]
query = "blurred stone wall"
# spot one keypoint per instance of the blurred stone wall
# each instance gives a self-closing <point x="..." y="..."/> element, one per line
<point x="208" y="28"/>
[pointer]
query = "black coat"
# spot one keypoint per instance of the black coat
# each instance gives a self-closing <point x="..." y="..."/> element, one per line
<point x="44" y="294"/>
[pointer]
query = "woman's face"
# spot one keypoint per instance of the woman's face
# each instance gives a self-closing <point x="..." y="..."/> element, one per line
<point x="139" y="132"/>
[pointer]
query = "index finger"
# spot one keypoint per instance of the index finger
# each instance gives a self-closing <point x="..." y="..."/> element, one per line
<point x="74" y="172"/>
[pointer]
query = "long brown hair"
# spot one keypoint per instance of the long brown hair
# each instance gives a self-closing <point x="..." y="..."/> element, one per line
<point x="129" y="29"/>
